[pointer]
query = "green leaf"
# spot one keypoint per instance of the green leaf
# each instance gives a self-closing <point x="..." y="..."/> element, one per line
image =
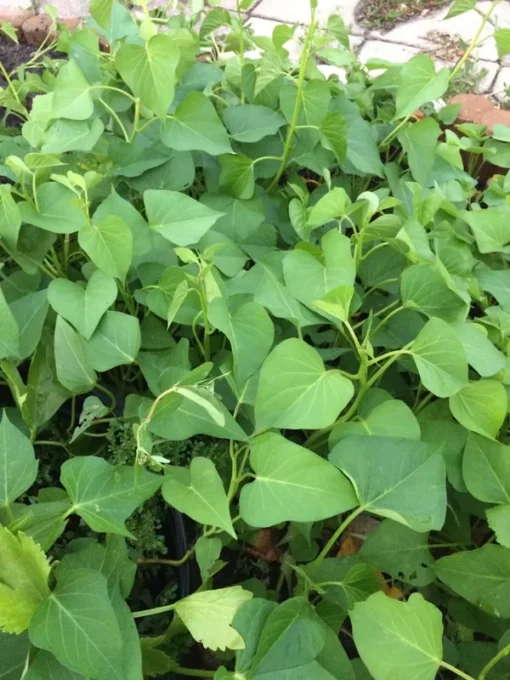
<point x="177" y="418"/>
<point x="401" y="479"/>
<point x="46" y="666"/>
<point x="116" y="341"/>
<point x="310" y="276"/>
<point x="289" y="639"/>
<point x="412" y="630"/>
<point x="72" y="97"/>
<point x="149" y="70"/>
<point x="480" y="352"/>
<point x="292" y="484"/>
<point x="297" y="392"/>
<point x="72" y="135"/>
<point x="101" y="11"/>
<point x="74" y="370"/>
<point x="105" y="495"/>
<point x="109" y="245"/>
<point x="114" y="204"/>
<point x="460" y="7"/>
<point x="13" y="652"/>
<point x="333" y="131"/>
<point x="440" y="359"/>
<point x="195" y="126"/>
<point x="249" y="330"/>
<point x="207" y="551"/>
<point x="419" y="141"/>
<point x="213" y="20"/>
<point x="78" y="625"/>
<point x="392" y="418"/>
<point x="362" y="152"/>
<point x="490" y="226"/>
<point x="344" y="581"/>
<point x="177" y="217"/>
<point x="400" y="552"/>
<point x="30" y="313"/>
<point x="18" y="466"/>
<point x="198" y="492"/>
<point x="418" y="84"/>
<point x="480" y="576"/>
<point x="486" y="469"/>
<point x="249" y="123"/>
<point x="208" y="616"/>
<point x="481" y="407"/>
<point x="10" y="218"/>
<point x="9" y="338"/>
<point x="58" y="210"/>
<point x="83" y="307"/>
<point x="332" y="206"/>
<point x="424" y="289"/>
<point x="268" y="288"/>
<point x="236" y="176"/>
<point x="498" y="519"/>
<point x="92" y="408"/>
<point x="24" y="572"/>
<point x="502" y="38"/>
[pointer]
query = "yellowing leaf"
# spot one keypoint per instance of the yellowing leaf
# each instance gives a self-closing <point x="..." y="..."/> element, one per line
<point x="24" y="571"/>
<point x="208" y="616"/>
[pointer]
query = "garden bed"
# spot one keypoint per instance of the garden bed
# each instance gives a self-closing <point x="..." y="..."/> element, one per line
<point x="254" y="361"/>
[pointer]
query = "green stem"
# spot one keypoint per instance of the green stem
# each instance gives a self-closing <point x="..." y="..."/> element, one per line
<point x="241" y="45"/>
<point x="299" y="102"/>
<point x="9" y="83"/>
<point x="117" y="119"/>
<point x="489" y="666"/>
<point x="474" y="42"/>
<point x="334" y="538"/>
<point x="114" y="89"/>
<point x="167" y="562"/>
<point x="387" y="318"/>
<point x="153" y="612"/>
<point x="109" y="394"/>
<point x="452" y="669"/>
<point x="136" y="120"/>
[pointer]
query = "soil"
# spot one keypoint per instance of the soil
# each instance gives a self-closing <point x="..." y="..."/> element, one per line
<point x="13" y="55"/>
<point x="385" y="14"/>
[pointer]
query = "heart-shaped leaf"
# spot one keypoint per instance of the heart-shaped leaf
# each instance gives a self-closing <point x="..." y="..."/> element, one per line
<point x="296" y="391"/>
<point x="292" y="484"/>
<point x="83" y="307"/>
<point x="198" y="492"/>
<point x="402" y="479"/>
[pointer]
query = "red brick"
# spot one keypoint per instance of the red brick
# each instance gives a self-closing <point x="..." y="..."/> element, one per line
<point x="476" y="108"/>
<point x="36" y="28"/>
<point x="16" y="18"/>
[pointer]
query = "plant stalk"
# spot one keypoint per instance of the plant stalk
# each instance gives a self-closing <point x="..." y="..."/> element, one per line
<point x="495" y="660"/>
<point x="297" y="106"/>
<point x="334" y="538"/>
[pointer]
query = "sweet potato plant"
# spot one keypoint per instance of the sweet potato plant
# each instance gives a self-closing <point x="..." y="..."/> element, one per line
<point x="204" y="242"/>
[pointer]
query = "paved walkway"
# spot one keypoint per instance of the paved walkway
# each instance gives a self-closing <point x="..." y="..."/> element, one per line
<point x="428" y="33"/>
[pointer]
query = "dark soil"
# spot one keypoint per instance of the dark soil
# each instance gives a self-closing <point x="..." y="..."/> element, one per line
<point x="13" y="55"/>
<point x="385" y="14"/>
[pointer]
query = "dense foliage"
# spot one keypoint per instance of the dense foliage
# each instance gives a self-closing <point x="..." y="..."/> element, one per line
<point x="255" y="320"/>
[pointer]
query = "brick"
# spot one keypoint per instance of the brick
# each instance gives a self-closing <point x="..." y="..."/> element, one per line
<point x="15" y="17"/>
<point x="476" y="108"/>
<point x="36" y="29"/>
